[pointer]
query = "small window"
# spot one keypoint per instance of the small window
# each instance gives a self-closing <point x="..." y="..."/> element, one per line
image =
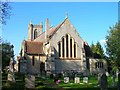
<point x="95" y="65"/>
<point x="35" y="33"/>
<point x="99" y="65"/>
<point x="33" y="60"/>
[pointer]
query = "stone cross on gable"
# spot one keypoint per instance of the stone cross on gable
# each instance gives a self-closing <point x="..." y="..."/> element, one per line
<point x="66" y="15"/>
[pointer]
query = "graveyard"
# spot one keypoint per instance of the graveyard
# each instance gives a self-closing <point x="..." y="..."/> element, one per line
<point x="55" y="53"/>
<point x="63" y="83"/>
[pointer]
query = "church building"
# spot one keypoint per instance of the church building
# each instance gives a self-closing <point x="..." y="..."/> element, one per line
<point x="58" y="49"/>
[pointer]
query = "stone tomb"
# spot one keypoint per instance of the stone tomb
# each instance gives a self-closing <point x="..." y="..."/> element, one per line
<point x="77" y="80"/>
<point x="30" y="81"/>
<point x="85" y="80"/>
<point x="66" y="79"/>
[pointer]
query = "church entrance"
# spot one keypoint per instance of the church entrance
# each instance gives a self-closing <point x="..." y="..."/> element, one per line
<point x="42" y="68"/>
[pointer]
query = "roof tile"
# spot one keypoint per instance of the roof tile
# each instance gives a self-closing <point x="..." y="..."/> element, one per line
<point x="34" y="47"/>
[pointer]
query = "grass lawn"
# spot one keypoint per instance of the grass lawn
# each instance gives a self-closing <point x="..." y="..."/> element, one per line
<point x="43" y="83"/>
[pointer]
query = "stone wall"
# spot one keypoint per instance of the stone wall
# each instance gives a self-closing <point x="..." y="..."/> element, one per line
<point x="93" y="69"/>
<point x="68" y="65"/>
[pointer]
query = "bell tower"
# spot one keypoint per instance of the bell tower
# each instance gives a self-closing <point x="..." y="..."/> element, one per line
<point x="30" y="31"/>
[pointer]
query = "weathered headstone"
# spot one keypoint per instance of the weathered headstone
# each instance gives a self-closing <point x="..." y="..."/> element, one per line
<point x="30" y="81"/>
<point x="77" y="80"/>
<point x="119" y="81"/>
<point x="103" y="82"/>
<point x="99" y="76"/>
<point x="66" y="79"/>
<point x="85" y="80"/>
<point x="107" y="74"/>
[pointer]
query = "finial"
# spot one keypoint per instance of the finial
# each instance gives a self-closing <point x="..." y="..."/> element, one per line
<point x="66" y="15"/>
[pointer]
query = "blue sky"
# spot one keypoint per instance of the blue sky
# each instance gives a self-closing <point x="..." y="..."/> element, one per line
<point x="91" y="19"/>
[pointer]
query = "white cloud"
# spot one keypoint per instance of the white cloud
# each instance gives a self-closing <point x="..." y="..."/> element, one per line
<point x="103" y="41"/>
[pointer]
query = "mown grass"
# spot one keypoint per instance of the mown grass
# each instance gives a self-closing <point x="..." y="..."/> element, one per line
<point x="45" y="83"/>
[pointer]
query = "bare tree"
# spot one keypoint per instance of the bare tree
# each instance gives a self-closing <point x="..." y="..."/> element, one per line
<point x="4" y="11"/>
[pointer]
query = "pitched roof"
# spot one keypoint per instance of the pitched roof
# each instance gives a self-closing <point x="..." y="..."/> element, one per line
<point x="33" y="47"/>
<point x="50" y="32"/>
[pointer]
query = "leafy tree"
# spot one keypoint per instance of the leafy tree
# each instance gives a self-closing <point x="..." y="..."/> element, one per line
<point x="97" y="50"/>
<point x="6" y="53"/>
<point x="4" y="11"/>
<point x="93" y="48"/>
<point x="113" y="44"/>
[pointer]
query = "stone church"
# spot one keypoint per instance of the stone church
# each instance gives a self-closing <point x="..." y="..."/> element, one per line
<point x="57" y="50"/>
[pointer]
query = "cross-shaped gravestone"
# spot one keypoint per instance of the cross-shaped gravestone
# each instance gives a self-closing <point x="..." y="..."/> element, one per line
<point x="30" y="81"/>
<point x="103" y="83"/>
<point x="85" y="80"/>
<point x="66" y="79"/>
<point x="77" y="80"/>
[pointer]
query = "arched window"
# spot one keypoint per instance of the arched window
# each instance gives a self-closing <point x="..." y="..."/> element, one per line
<point x="59" y="49"/>
<point x="71" y="47"/>
<point x="63" y="47"/>
<point x="66" y="45"/>
<point x="75" y="50"/>
<point x="35" y="33"/>
<point x="33" y="60"/>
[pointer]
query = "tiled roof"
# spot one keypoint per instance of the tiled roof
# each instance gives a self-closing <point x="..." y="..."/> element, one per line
<point x="50" y="32"/>
<point x="34" y="47"/>
<point x="42" y="36"/>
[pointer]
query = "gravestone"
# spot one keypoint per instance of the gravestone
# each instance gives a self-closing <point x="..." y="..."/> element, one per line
<point x="30" y="81"/>
<point x="99" y="76"/>
<point x="107" y="74"/>
<point x="85" y="80"/>
<point x="77" y="80"/>
<point x="119" y="81"/>
<point x="103" y="82"/>
<point x="66" y="79"/>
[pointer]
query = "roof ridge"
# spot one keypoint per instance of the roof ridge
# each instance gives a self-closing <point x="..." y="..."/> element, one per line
<point x="54" y="30"/>
<point x="34" y="41"/>
<point x="58" y="27"/>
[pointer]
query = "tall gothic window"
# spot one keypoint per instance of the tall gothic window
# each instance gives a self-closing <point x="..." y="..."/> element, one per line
<point x="66" y="45"/>
<point x="71" y="47"/>
<point x="59" y="49"/>
<point x="63" y="47"/>
<point x="75" y="50"/>
<point x="35" y="33"/>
